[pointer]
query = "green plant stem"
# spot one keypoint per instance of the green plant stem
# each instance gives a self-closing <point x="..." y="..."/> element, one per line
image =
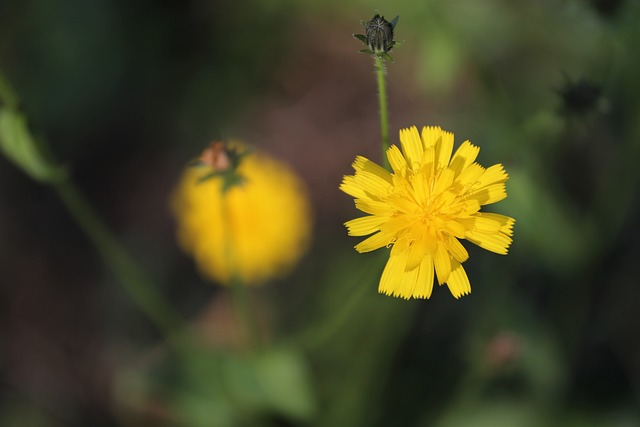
<point x="135" y="282"/>
<point x="239" y="294"/>
<point x="244" y="314"/>
<point x="382" y="101"/>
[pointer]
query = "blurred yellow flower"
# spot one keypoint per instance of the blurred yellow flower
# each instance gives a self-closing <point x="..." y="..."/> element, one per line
<point x="242" y="215"/>
<point x="423" y="207"/>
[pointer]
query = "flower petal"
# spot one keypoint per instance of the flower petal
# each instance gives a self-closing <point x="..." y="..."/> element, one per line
<point x="430" y="135"/>
<point x="458" y="282"/>
<point x="470" y="174"/>
<point x="362" y="164"/>
<point x="490" y="194"/>
<point x="492" y="175"/>
<point x="456" y="249"/>
<point x="374" y="207"/>
<point x="443" y="150"/>
<point x="424" y="283"/>
<point x="442" y="262"/>
<point x="486" y="222"/>
<point x="407" y="285"/>
<point x="364" y="225"/>
<point x="494" y="242"/>
<point x="417" y="248"/>
<point x="396" y="160"/>
<point x="352" y="187"/>
<point x="412" y="146"/>
<point x="374" y="242"/>
<point x="443" y="181"/>
<point x="465" y="155"/>
<point x="391" y="275"/>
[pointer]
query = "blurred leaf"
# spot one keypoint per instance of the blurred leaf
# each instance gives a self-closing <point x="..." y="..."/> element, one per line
<point x="284" y="378"/>
<point x="16" y="141"/>
<point x="547" y="225"/>
<point x="501" y="413"/>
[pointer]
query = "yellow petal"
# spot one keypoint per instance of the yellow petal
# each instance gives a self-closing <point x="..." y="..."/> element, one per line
<point x="421" y="187"/>
<point x="458" y="282"/>
<point x="494" y="242"/>
<point x="417" y="248"/>
<point x="374" y="207"/>
<point x="455" y="228"/>
<point x="443" y="150"/>
<point x="372" y="183"/>
<point x="424" y="283"/>
<point x="465" y="207"/>
<point x="430" y="135"/>
<point x="429" y="161"/>
<point x="465" y="155"/>
<point x="442" y="262"/>
<point x="407" y="284"/>
<point x="374" y="242"/>
<point x="365" y="225"/>
<point x="352" y="187"/>
<point x="395" y="224"/>
<point x="392" y="275"/>
<point x="486" y="222"/>
<point x="444" y="181"/>
<point x="470" y="174"/>
<point x="400" y="203"/>
<point x="506" y="222"/>
<point x="456" y="249"/>
<point x="396" y="160"/>
<point x="411" y="146"/>
<point x="366" y="165"/>
<point x="493" y="175"/>
<point x="489" y="194"/>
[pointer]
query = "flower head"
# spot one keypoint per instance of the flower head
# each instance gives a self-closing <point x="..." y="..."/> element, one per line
<point x="424" y="207"/>
<point x="378" y="35"/>
<point x="242" y="215"/>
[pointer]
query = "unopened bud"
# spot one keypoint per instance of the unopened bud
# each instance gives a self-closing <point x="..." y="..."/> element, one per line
<point x="379" y="34"/>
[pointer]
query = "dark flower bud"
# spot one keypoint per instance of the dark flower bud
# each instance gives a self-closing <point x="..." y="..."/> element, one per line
<point x="580" y="97"/>
<point x="378" y="35"/>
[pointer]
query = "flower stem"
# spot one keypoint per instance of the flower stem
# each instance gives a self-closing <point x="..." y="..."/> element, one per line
<point x="244" y="314"/>
<point x="382" y="100"/>
<point x="136" y="283"/>
<point x="240" y="296"/>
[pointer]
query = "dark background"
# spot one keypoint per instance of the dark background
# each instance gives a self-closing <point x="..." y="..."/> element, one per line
<point x="126" y="93"/>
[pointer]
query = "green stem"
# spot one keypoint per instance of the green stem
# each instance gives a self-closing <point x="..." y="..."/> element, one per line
<point x="239" y="294"/>
<point x="382" y="100"/>
<point x="244" y="314"/>
<point x="135" y="282"/>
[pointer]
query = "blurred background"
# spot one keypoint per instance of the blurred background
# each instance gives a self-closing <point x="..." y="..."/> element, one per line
<point x="127" y="93"/>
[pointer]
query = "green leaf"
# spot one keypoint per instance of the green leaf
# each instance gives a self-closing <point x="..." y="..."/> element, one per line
<point x="17" y="143"/>
<point x="284" y="377"/>
<point x="361" y="37"/>
<point x="394" y="22"/>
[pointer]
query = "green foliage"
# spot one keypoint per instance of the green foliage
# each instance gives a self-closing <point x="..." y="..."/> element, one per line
<point x="17" y="142"/>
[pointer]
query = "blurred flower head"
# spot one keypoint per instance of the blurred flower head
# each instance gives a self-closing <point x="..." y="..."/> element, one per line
<point x="422" y="209"/>
<point x="242" y="214"/>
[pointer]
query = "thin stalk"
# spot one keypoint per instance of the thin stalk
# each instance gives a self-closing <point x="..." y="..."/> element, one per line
<point x="239" y="294"/>
<point x="136" y="283"/>
<point x="244" y="314"/>
<point x="382" y="101"/>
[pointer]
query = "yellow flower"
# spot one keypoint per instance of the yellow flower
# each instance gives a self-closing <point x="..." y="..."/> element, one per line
<point x="242" y="215"/>
<point x="422" y="209"/>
